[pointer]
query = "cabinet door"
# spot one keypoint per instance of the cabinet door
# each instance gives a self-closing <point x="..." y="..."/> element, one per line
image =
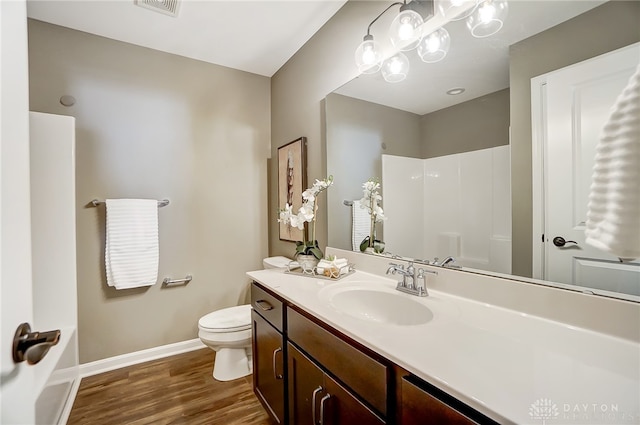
<point x="305" y="384"/>
<point x="420" y="407"/>
<point x="338" y="406"/>
<point x="268" y="367"/>
<point x="317" y="399"/>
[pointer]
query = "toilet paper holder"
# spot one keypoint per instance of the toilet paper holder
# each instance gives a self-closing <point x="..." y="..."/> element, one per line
<point x="171" y="282"/>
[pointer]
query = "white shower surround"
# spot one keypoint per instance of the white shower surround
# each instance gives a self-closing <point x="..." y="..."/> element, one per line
<point x="457" y="205"/>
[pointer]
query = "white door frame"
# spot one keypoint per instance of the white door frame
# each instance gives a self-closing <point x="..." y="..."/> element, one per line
<point x="538" y="145"/>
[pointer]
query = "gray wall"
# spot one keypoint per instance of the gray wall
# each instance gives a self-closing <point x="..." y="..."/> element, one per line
<point x="155" y="125"/>
<point x="323" y="64"/>
<point x="608" y="27"/>
<point x="479" y="123"/>
<point x="358" y="133"/>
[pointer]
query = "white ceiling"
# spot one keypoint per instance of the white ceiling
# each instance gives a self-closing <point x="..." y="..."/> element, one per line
<point x="254" y="36"/>
<point x="481" y="66"/>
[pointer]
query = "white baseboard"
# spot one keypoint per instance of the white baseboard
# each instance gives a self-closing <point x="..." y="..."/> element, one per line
<point x="123" y="360"/>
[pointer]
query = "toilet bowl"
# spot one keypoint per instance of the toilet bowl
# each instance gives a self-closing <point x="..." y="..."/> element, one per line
<point x="228" y="333"/>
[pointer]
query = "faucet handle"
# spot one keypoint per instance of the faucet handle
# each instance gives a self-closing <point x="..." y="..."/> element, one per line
<point x="421" y="284"/>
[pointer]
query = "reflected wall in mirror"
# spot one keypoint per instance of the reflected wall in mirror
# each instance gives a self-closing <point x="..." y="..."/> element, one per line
<point x="369" y="122"/>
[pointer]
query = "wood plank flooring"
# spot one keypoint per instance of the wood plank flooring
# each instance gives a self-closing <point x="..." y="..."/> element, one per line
<point x="173" y="390"/>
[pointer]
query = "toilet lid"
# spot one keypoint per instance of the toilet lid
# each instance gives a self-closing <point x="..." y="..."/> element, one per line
<point x="228" y="319"/>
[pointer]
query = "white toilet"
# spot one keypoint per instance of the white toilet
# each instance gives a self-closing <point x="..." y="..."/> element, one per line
<point x="228" y="333"/>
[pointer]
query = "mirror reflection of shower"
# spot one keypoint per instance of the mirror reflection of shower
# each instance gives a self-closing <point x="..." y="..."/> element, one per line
<point x="459" y="205"/>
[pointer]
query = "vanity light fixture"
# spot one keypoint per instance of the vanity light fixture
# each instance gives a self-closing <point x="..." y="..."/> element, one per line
<point x="405" y="31"/>
<point x="369" y="55"/>
<point x="435" y="46"/>
<point x="448" y="7"/>
<point x="488" y="18"/>
<point x="396" y="68"/>
<point x="405" y="34"/>
<point x="484" y="18"/>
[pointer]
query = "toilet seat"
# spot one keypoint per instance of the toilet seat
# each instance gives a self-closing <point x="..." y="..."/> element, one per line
<point x="232" y="319"/>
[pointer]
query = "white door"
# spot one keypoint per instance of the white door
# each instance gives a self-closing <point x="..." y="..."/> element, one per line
<point x="17" y="400"/>
<point x="578" y="103"/>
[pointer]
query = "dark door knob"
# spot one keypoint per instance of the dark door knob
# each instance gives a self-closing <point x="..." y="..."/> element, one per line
<point x="559" y="241"/>
<point x="32" y="346"/>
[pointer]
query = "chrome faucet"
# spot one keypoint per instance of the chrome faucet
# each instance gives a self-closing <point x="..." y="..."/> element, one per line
<point x="411" y="283"/>
<point x="447" y="262"/>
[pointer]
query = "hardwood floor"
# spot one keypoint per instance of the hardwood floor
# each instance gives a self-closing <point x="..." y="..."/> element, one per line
<point x="172" y="390"/>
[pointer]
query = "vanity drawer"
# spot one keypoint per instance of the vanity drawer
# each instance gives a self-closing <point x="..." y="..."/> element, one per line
<point x="267" y="305"/>
<point x="366" y="376"/>
<point x="423" y="403"/>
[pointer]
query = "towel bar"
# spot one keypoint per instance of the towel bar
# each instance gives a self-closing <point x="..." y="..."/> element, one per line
<point x="168" y="281"/>
<point x="161" y="204"/>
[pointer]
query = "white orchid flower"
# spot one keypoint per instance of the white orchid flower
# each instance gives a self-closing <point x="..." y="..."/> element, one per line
<point x="306" y="214"/>
<point x="295" y="221"/>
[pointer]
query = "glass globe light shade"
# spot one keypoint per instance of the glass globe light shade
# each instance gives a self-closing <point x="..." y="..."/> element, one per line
<point x="406" y="30"/>
<point x="368" y="56"/>
<point x="396" y="68"/>
<point x="488" y="18"/>
<point x="435" y="46"/>
<point x="448" y="7"/>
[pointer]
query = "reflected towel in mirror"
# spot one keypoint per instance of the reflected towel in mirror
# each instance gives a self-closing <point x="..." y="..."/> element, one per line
<point x="613" y="216"/>
<point x="360" y="225"/>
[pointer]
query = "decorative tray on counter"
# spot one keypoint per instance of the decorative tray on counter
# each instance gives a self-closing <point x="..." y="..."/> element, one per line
<point x="295" y="269"/>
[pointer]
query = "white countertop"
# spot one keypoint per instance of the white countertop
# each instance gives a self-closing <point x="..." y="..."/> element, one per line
<point x="498" y="361"/>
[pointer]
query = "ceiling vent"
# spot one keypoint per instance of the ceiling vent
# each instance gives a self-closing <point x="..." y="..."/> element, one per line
<point x="166" y="7"/>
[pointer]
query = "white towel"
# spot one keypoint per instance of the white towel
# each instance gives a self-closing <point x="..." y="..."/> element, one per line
<point x="336" y="268"/>
<point x="131" y="251"/>
<point x="360" y="225"/>
<point x="613" y="217"/>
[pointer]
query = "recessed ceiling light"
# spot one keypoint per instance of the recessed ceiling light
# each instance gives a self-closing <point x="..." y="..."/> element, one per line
<point x="455" y="91"/>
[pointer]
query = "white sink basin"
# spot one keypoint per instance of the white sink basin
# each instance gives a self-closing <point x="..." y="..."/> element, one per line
<point x="379" y="306"/>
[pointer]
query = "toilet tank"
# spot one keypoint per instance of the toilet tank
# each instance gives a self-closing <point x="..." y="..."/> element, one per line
<point x="275" y="262"/>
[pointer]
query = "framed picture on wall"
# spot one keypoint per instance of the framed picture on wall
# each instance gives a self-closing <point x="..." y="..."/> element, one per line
<point x="292" y="180"/>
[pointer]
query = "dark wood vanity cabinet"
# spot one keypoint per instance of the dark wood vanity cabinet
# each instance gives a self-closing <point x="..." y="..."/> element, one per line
<point x="269" y="347"/>
<point x="307" y="373"/>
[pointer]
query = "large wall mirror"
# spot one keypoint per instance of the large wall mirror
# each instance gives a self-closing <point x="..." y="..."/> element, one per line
<point x="453" y="180"/>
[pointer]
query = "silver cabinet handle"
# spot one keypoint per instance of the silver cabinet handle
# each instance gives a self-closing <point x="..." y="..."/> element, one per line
<point x="264" y="305"/>
<point x="313" y="404"/>
<point x="322" y="402"/>
<point x="275" y="354"/>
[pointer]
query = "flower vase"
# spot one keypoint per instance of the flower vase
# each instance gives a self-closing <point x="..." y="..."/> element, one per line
<point x="308" y="263"/>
